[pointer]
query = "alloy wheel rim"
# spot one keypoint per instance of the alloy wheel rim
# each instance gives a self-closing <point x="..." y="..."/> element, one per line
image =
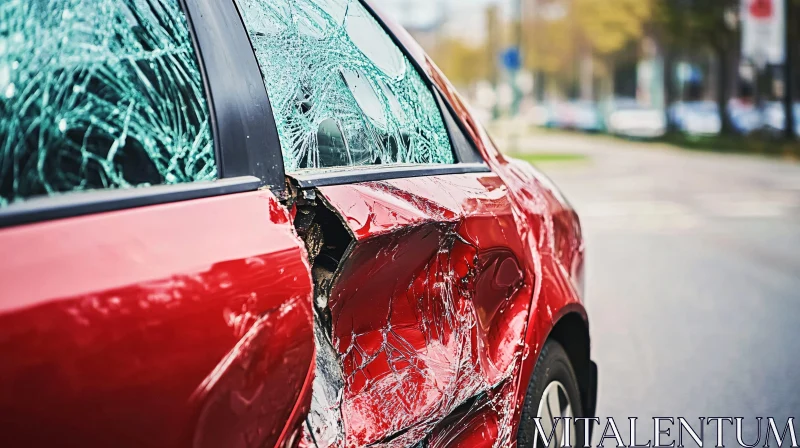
<point x="554" y="404"/>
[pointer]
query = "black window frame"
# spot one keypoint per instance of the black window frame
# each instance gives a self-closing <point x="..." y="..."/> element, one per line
<point x="245" y="138"/>
<point x="243" y="126"/>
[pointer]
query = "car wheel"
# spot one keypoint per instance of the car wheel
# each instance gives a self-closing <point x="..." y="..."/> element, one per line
<point x="552" y="392"/>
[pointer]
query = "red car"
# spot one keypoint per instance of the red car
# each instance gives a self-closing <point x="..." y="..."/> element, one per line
<point x="261" y="223"/>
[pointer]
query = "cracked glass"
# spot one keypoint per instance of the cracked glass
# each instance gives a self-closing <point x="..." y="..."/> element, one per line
<point x="342" y="92"/>
<point x="99" y="94"/>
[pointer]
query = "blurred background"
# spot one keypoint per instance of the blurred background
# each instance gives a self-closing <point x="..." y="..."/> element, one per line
<point x="648" y="69"/>
<point x="671" y="127"/>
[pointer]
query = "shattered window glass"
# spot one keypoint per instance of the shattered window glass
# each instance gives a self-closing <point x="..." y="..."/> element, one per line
<point x="99" y="94"/>
<point x="342" y="92"/>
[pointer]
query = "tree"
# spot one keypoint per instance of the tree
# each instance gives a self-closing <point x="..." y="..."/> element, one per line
<point x="705" y="24"/>
<point x="562" y="33"/>
<point x="609" y="25"/>
<point x="463" y="63"/>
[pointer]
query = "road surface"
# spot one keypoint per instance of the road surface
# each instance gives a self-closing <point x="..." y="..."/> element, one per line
<point x="693" y="280"/>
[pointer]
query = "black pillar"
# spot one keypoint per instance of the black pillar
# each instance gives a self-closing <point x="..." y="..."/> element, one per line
<point x="788" y="76"/>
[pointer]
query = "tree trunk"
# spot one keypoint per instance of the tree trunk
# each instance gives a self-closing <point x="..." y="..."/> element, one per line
<point x="723" y="91"/>
<point x="788" y="75"/>
<point x="669" y="87"/>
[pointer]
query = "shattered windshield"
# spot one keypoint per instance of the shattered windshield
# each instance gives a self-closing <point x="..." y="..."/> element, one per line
<point x="342" y="92"/>
<point x="99" y="94"/>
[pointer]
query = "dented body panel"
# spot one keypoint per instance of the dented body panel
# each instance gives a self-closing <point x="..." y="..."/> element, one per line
<point x="414" y="308"/>
<point x="553" y="231"/>
<point x="449" y="289"/>
<point x="159" y="326"/>
<point x="429" y="306"/>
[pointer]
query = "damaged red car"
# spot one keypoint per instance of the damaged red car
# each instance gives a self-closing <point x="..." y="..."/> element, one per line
<point x="269" y="223"/>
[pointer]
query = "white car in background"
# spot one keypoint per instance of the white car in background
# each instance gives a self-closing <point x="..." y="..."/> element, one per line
<point x="775" y="116"/>
<point x="541" y="115"/>
<point x="697" y="117"/>
<point x="628" y="118"/>
<point x="745" y="116"/>
<point x="702" y="118"/>
<point x="586" y="116"/>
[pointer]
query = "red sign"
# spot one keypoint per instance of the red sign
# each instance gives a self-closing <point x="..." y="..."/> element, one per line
<point x="761" y="9"/>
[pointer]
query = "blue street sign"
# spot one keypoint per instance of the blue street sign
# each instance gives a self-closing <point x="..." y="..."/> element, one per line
<point x="511" y="59"/>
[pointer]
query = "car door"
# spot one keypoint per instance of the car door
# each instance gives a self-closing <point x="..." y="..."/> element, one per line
<point x="175" y="313"/>
<point x="423" y="269"/>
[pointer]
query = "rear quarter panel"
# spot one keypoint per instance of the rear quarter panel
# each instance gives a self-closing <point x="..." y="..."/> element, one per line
<point x="546" y="220"/>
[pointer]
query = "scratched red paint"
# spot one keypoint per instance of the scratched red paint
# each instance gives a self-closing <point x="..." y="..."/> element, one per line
<point x="433" y="303"/>
<point x="450" y="289"/>
<point x="190" y="324"/>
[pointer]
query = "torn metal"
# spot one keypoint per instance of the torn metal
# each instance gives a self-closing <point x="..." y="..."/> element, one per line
<point x="427" y="306"/>
<point x="102" y="94"/>
<point x="435" y="310"/>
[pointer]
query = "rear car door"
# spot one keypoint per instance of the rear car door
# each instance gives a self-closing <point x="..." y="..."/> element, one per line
<point x="153" y="292"/>
<point x="423" y="270"/>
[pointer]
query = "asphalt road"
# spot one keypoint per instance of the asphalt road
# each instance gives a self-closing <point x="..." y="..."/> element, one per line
<point x="693" y="280"/>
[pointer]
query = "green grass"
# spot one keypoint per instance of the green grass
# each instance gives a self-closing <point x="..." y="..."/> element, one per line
<point x="759" y="144"/>
<point x="755" y="144"/>
<point x="548" y="157"/>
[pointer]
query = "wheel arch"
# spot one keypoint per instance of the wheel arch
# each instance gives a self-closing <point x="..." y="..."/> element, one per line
<point x="572" y="332"/>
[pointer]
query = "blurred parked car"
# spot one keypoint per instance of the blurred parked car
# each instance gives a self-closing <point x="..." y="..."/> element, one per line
<point x="702" y="118"/>
<point x="563" y="115"/>
<point x="576" y="115"/>
<point x="745" y="116"/>
<point x="775" y="117"/>
<point x="270" y="223"/>
<point x="696" y="118"/>
<point x="586" y="116"/>
<point x="626" y="117"/>
<point x="542" y="115"/>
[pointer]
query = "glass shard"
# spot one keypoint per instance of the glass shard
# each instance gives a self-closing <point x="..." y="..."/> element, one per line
<point x="330" y="60"/>
<point x="99" y="94"/>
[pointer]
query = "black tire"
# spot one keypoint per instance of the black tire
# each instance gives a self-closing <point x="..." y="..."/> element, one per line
<point x="553" y="365"/>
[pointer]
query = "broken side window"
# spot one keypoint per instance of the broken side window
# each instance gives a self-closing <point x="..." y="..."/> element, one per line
<point x="342" y="92"/>
<point x="99" y="94"/>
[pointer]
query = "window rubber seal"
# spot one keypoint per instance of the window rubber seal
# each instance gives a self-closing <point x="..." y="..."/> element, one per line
<point x="353" y="175"/>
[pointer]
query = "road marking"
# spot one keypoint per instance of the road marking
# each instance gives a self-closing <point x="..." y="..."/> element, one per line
<point x="638" y="215"/>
